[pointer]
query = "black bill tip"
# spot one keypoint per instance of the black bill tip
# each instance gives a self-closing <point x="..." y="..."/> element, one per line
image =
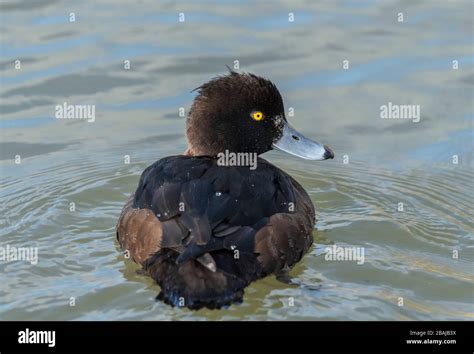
<point x="328" y="153"/>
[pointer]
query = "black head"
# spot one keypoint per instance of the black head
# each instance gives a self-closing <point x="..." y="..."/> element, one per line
<point x="243" y="113"/>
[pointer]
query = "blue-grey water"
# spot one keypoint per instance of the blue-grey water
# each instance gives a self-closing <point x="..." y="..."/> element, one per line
<point x="418" y="256"/>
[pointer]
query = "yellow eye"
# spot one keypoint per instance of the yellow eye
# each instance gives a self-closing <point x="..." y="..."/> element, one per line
<point x="257" y="115"/>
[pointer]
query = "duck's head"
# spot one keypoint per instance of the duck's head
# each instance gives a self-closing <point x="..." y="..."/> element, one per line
<point x="244" y="113"/>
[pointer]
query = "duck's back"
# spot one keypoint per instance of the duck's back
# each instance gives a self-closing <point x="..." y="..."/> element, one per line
<point x="205" y="231"/>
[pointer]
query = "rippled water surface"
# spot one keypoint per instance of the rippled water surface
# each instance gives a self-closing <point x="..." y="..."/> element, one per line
<point x="379" y="162"/>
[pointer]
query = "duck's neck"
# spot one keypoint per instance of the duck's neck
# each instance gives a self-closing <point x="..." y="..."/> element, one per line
<point x="189" y="152"/>
<point x="195" y="152"/>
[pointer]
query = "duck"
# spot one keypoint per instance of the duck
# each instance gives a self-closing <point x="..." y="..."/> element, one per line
<point x="204" y="225"/>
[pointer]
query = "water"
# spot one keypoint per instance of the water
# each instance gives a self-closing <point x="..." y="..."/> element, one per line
<point x="408" y="254"/>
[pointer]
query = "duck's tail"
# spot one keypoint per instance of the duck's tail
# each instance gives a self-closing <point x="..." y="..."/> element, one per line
<point x="190" y="284"/>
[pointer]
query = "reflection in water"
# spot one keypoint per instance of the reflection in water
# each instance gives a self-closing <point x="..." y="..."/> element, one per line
<point x="422" y="253"/>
